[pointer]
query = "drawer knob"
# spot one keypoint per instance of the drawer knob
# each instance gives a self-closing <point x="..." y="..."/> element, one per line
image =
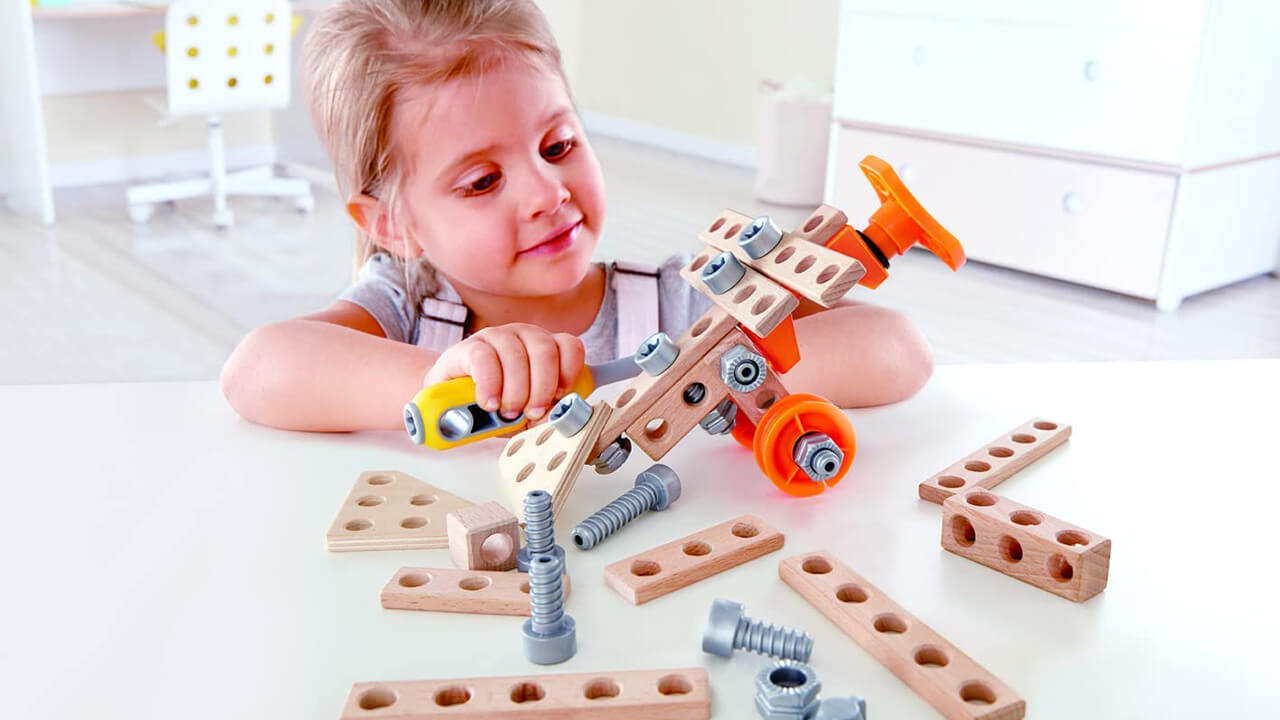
<point x="1091" y="70"/>
<point x="1071" y="203"/>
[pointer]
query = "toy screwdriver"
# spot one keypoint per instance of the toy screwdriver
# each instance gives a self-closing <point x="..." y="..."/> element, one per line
<point x="446" y="414"/>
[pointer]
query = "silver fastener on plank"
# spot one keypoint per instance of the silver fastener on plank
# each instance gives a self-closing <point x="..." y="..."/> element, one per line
<point x="721" y="419"/>
<point x="722" y="273"/>
<point x="657" y="353"/>
<point x="729" y="629"/>
<point x="613" y="456"/>
<point x="743" y="370"/>
<point x="656" y="488"/>
<point x="760" y="237"/>
<point x="550" y="636"/>
<point x="570" y="415"/>
<point x="818" y="456"/>
<point x="539" y="530"/>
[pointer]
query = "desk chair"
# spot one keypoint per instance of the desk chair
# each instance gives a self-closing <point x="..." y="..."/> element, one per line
<point x="222" y="56"/>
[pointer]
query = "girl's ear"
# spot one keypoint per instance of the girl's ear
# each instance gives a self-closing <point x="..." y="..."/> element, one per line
<point x="371" y="215"/>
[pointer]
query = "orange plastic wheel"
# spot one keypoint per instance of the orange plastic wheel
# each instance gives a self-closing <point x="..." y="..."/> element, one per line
<point x="744" y="431"/>
<point x="780" y="428"/>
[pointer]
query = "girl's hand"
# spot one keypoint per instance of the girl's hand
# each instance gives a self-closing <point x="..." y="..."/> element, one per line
<point x="516" y="367"/>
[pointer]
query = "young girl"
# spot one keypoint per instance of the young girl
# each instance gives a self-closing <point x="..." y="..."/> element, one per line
<point x="478" y="203"/>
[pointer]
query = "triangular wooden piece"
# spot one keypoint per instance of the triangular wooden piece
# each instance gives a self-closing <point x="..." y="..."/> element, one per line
<point x="542" y="459"/>
<point x="389" y="510"/>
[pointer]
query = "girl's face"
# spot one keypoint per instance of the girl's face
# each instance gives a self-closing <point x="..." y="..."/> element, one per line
<point x="505" y="195"/>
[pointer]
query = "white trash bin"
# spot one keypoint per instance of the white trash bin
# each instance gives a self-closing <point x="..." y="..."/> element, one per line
<point x="794" y="121"/>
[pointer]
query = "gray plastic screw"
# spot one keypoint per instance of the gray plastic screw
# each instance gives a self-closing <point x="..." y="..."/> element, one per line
<point x="842" y="708"/>
<point x="760" y="237"/>
<point x="613" y="455"/>
<point x="728" y="629"/>
<point x="657" y="353"/>
<point x="721" y="419"/>
<point x="550" y="636"/>
<point x="570" y="415"/>
<point x="539" y="530"/>
<point x="722" y="273"/>
<point x="656" y="488"/>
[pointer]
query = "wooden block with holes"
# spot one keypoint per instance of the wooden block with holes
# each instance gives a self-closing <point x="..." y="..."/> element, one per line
<point x="949" y="680"/>
<point x="681" y="694"/>
<point x="756" y="302"/>
<point x="805" y="266"/>
<point x="821" y="224"/>
<point x="483" y="537"/>
<point x="998" y="460"/>
<point x="1026" y="544"/>
<point x="667" y="568"/>
<point x="542" y="459"/>
<point x="673" y="416"/>
<point x="645" y="390"/>
<point x="450" y="590"/>
<point x="388" y="510"/>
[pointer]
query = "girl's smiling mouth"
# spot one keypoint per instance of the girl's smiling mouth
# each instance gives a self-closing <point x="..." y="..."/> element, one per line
<point x="555" y="243"/>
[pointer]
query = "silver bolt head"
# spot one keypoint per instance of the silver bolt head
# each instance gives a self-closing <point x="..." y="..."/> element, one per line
<point x="570" y="415"/>
<point x="524" y="558"/>
<point x="743" y="370"/>
<point x="721" y="419"/>
<point x="722" y="273"/>
<point x="818" y="456"/>
<point x="553" y="648"/>
<point x="613" y="456"/>
<point x="722" y="625"/>
<point x="842" y="708"/>
<point x="786" y="690"/>
<point x="664" y="480"/>
<point x="657" y="353"/>
<point x="760" y="237"/>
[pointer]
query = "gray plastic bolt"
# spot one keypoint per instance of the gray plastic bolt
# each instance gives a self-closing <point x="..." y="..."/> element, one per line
<point x="842" y="708"/>
<point x="722" y="273"/>
<point x="613" y="456"/>
<point x="787" y="690"/>
<point x="721" y="420"/>
<point x="570" y="415"/>
<point x="728" y="629"/>
<point x="550" y="636"/>
<point x="743" y="370"/>
<point x="760" y="237"/>
<point x="539" y="530"/>
<point x="657" y="353"/>
<point x="818" y="456"/>
<point x="656" y="488"/>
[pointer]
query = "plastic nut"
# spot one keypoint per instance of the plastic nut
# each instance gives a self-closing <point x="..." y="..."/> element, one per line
<point x="742" y="370"/>
<point x="787" y="690"/>
<point x="818" y="456"/>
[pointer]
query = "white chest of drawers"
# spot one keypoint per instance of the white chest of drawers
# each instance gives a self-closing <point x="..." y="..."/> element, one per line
<point x="1130" y="145"/>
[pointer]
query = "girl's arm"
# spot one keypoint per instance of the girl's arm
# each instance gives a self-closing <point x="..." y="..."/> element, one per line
<point x="858" y="355"/>
<point x="329" y="371"/>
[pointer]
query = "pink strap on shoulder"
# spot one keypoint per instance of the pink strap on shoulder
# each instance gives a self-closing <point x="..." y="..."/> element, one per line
<point x="635" y="287"/>
<point x="444" y="319"/>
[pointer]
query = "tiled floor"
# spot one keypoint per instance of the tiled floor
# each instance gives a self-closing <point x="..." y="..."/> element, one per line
<point x="97" y="299"/>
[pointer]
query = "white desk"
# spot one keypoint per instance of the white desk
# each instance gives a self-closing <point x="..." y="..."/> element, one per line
<point x="164" y="559"/>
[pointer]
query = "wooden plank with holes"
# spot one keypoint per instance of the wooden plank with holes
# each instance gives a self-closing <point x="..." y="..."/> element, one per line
<point x="389" y="510"/>
<point x="542" y="459"/>
<point x="821" y="224"/>
<point x="479" y="592"/>
<point x="678" y="694"/>
<point x="645" y="389"/>
<point x="949" y="680"/>
<point x="671" y="418"/>
<point x="680" y="563"/>
<point x="996" y="461"/>
<point x="821" y="275"/>
<point x="1026" y="544"/>
<point x="756" y="302"/>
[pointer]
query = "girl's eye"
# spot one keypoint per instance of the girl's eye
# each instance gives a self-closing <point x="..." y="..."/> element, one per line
<point x="557" y="150"/>
<point x="484" y="184"/>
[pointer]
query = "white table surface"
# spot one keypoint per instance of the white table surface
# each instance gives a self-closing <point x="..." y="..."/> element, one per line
<point x="164" y="559"/>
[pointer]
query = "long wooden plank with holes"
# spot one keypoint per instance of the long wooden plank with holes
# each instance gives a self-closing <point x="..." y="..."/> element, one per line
<point x="540" y="458"/>
<point x="389" y="510"/>
<point x="645" y="389"/>
<point x="1026" y="544"/>
<point x="952" y="682"/>
<point x="996" y="461"/>
<point x="680" y="694"/>
<point x="480" y="592"/>
<point x="673" y="416"/>
<point x="757" y="302"/>
<point x="680" y="563"/>
<point x="797" y="263"/>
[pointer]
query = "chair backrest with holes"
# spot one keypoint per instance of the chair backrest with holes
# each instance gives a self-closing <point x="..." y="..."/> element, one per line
<point x="227" y="55"/>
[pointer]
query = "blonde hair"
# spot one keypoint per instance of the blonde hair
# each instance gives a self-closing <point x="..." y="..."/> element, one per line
<point x="361" y="54"/>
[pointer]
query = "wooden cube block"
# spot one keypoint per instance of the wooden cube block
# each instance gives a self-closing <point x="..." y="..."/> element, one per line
<point x="483" y="537"/>
<point x="1026" y="544"/>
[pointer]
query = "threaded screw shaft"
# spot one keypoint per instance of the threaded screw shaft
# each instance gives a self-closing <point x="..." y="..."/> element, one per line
<point x="772" y="640"/>
<point x="546" y="594"/>
<point x="608" y="519"/>
<point x="539" y="522"/>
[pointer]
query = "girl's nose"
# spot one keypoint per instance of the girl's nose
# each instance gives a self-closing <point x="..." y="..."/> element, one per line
<point x="546" y="194"/>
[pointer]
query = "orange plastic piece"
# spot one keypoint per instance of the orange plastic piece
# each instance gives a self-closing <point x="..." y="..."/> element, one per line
<point x="779" y="347"/>
<point x="900" y="223"/>
<point x="780" y="428"/>
<point x="744" y="431"/>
